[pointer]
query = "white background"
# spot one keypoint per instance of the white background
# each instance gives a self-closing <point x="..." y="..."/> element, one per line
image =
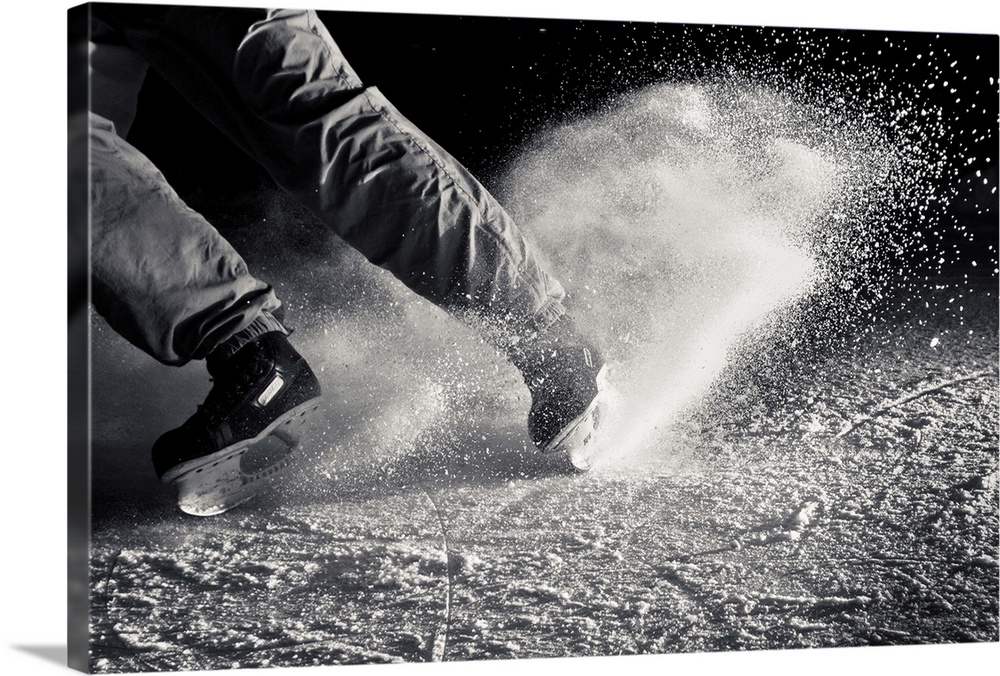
<point x="33" y="362"/>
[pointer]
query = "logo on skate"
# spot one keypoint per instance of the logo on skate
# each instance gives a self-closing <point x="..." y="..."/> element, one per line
<point x="272" y="389"/>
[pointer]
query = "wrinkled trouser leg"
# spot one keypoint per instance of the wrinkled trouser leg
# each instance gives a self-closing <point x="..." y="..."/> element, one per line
<point x="161" y="275"/>
<point x="279" y="87"/>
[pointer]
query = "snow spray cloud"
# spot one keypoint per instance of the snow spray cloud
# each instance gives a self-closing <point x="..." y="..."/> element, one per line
<point x="687" y="219"/>
<point x="683" y="220"/>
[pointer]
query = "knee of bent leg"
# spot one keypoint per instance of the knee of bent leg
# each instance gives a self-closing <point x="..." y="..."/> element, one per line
<point x="287" y="65"/>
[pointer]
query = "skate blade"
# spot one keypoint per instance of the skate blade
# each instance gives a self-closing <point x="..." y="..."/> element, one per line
<point x="579" y="440"/>
<point x="234" y="478"/>
<point x="227" y="479"/>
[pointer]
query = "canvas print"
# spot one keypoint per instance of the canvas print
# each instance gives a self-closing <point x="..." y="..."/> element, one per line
<point x="408" y="338"/>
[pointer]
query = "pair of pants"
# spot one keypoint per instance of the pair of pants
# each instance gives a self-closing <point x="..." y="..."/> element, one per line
<point x="277" y="85"/>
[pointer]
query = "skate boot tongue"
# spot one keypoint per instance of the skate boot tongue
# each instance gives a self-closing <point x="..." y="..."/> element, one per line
<point x="250" y="360"/>
<point x="236" y="376"/>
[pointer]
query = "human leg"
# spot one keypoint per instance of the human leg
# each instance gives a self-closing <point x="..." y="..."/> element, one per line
<point x="277" y="84"/>
<point x="161" y="275"/>
<point x="435" y="226"/>
<point x="167" y="281"/>
<point x="279" y="87"/>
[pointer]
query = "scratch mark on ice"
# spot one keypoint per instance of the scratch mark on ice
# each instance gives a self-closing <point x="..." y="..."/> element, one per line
<point x="440" y="643"/>
<point x="861" y="419"/>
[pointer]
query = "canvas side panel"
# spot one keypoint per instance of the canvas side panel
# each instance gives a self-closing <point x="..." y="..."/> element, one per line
<point x="78" y="26"/>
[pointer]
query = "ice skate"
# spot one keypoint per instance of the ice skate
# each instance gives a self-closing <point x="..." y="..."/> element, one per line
<point x="246" y="430"/>
<point x="567" y="378"/>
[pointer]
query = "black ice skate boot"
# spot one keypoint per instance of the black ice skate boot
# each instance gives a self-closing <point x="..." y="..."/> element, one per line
<point x="245" y="430"/>
<point x="567" y="378"/>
